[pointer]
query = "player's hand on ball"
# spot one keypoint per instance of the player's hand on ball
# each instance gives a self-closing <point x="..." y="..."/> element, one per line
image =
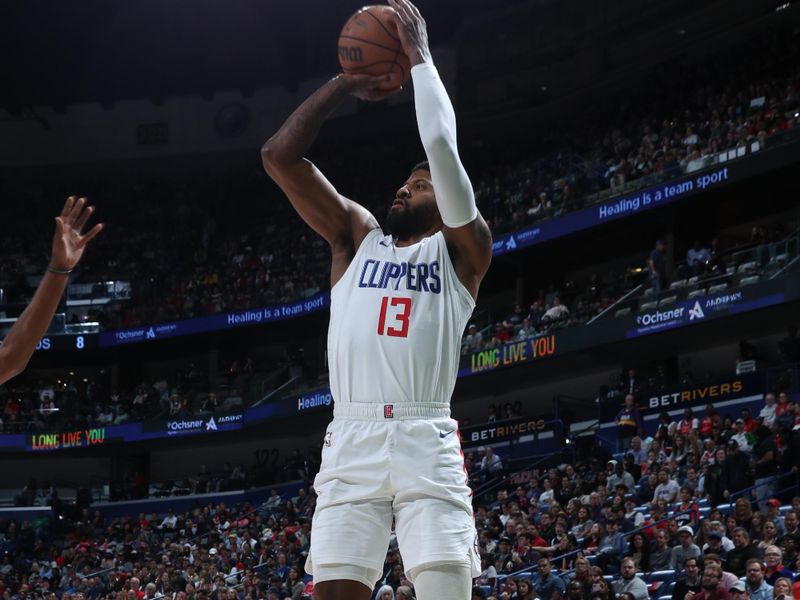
<point x="412" y="31"/>
<point x="367" y="87"/>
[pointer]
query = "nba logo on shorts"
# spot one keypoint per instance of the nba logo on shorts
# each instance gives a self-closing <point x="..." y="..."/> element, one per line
<point x="388" y="411"/>
<point x="328" y="436"/>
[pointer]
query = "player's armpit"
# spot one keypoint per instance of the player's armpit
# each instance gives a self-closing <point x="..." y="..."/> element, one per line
<point x="470" y="248"/>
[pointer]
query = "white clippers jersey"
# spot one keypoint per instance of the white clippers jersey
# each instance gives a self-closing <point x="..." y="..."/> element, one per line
<point x="397" y="316"/>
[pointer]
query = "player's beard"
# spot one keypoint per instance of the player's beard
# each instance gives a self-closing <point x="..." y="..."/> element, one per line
<point x="408" y="222"/>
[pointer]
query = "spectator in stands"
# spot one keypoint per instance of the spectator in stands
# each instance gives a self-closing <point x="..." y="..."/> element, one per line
<point x="757" y="587"/>
<point x="767" y="414"/>
<point x="473" y="341"/>
<point x="491" y="464"/>
<point x="696" y="258"/>
<point x="738" y="591"/>
<point x="501" y="335"/>
<point x="657" y="267"/>
<point x="773" y="514"/>
<point x="556" y="312"/>
<point x="717" y="542"/>
<point x="687" y="423"/>
<point x="736" y="470"/>
<point x="525" y="590"/>
<point x="765" y="455"/>
<point x="791" y="525"/>
<point x="628" y="581"/>
<point x="768" y="536"/>
<point x="619" y="476"/>
<point x="385" y="592"/>
<point x="527" y="330"/>
<point x="728" y="578"/>
<point x="687" y="511"/>
<point x="637" y="450"/>
<point x="740" y="436"/>
<point x="661" y="553"/>
<point x="629" y="426"/>
<point x="712" y="589"/>
<point x="667" y="488"/>
<point x="773" y="562"/>
<point x="488" y="574"/>
<point x="691" y="580"/>
<point x="549" y="586"/>
<point x="742" y="551"/>
<point x="782" y="589"/>
<point x="169" y="522"/>
<point x="404" y="592"/>
<point x="686" y="548"/>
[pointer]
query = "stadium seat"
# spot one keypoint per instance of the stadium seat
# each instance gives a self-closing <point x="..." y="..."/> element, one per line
<point x="676" y="285"/>
<point x="622" y="312"/>
<point x="730" y="270"/>
<point x="697" y="293"/>
<point x="665" y="576"/>
<point x="667" y="301"/>
<point x="725" y="509"/>
<point x="716" y="289"/>
<point x="749" y="280"/>
<point x="648" y="305"/>
<point x="647" y="292"/>
<point x="692" y="280"/>
<point x="747" y="267"/>
<point x="780" y="259"/>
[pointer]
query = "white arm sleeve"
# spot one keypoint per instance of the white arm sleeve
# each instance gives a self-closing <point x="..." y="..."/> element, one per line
<point x="437" y="129"/>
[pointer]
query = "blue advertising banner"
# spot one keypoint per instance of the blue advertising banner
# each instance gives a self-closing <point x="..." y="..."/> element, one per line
<point x="699" y="309"/>
<point x="219" y="322"/>
<point x="618" y="208"/>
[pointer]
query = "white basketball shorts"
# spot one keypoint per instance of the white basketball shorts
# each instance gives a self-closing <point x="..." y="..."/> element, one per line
<point x="382" y="462"/>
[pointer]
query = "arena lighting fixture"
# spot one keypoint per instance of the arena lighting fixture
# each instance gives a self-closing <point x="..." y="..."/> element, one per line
<point x="783" y="6"/>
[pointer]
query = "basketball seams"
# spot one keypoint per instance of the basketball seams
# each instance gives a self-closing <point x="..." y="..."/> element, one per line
<point x="399" y="49"/>
<point x="377" y="45"/>
<point x="383" y="26"/>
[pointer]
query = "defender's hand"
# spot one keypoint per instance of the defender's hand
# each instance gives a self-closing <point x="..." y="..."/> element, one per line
<point x="68" y="242"/>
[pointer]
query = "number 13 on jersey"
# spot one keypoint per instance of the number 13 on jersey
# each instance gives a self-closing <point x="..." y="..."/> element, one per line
<point x="398" y="311"/>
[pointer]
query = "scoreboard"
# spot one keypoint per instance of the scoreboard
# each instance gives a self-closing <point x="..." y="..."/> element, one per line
<point x="67" y="342"/>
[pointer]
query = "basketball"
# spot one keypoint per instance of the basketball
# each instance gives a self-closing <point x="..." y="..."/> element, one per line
<point x="368" y="43"/>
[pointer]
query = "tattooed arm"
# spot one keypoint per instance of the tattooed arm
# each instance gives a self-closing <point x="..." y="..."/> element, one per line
<point x="342" y="222"/>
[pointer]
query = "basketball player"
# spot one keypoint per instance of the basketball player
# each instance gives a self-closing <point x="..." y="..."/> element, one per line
<point x="68" y="247"/>
<point x="399" y="305"/>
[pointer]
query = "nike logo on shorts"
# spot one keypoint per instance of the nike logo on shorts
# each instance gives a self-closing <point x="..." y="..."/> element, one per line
<point x="444" y="434"/>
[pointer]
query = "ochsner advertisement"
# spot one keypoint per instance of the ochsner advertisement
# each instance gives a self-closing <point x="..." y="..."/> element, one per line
<point x="208" y="423"/>
<point x="699" y="309"/>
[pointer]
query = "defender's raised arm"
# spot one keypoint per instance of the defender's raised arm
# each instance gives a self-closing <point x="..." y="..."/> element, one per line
<point x="68" y="246"/>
